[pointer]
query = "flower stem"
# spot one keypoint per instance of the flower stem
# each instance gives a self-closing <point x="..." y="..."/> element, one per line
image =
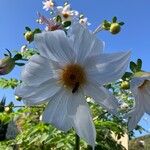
<point x="77" y="142"/>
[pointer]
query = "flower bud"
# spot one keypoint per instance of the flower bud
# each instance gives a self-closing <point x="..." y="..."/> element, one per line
<point x="7" y="64"/>
<point x="29" y="36"/>
<point x="18" y="98"/>
<point x="7" y="109"/>
<point x="125" y="85"/>
<point x="115" y="28"/>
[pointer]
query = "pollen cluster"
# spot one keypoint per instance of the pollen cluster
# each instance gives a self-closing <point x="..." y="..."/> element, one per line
<point x="73" y="76"/>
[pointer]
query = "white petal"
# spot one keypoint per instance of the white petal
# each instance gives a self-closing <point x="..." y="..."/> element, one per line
<point x="38" y="70"/>
<point x="56" y="112"/>
<point x="54" y="45"/>
<point x="82" y="120"/>
<point x="37" y="94"/>
<point x="110" y="70"/>
<point x="85" y="43"/>
<point x="146" y="100"/>
<point x="136" y="113"/>
<point x="102" y="96"/>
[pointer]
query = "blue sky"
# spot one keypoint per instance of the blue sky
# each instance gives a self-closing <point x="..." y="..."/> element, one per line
<point x="135" y="34"/>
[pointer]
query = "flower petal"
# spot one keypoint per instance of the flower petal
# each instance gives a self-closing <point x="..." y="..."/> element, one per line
<point x="38" y="70"/>
<point x="108" y="68"/>
<point x="82" y="120"/>
<point x="102" y="96"/>
<point x="85" y="43"/>
<point x="56" y="111"/>
<point x="37" y="94"/>
<point x="136" y="113"/>
<point x="54" y="45"/>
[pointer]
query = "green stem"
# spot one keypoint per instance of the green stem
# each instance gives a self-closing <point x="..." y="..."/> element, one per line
<point x="77" y="142"/>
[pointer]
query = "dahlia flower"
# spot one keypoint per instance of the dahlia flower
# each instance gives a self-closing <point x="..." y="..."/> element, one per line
<point x="66" y="71"/>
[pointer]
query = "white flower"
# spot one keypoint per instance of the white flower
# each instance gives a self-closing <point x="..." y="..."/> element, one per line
<point x="66" y="13"/>
<point x="23" y="48"/>
<point x="65" y="72"/>
<point x="48" y="4"/>
<point x="140" y="87"/>
<point x="84" y="21"/>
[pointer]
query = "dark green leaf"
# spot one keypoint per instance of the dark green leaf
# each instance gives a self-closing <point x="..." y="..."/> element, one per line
<point x="127" y="75"/>
<point x="114" y="19"/>
<point x="67" y="24"/>
<point x="121" y="23"/>
<point x="58" y="19"/>
<point x="27" y="28"/>
<point x="139" y="65"/>
<point x="17" y="57"/>
<point x="133" y="67"/>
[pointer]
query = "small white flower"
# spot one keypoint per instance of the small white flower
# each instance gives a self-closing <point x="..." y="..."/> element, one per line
<point x="66" y="13"/>
<point x="65" y="73"/>
<point x="23" y="48"/>
<point x="84" y="22"/>
<point x="124" y="106"/>
<point x="140" y="87"/>
<point x="48" y="4"/>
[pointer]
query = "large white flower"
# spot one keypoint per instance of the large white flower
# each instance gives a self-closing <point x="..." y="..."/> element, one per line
<point x="65" y="72"/>
<point x="140" y="88"/>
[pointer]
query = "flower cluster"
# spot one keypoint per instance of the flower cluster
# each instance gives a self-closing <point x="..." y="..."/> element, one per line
<point x="61" y="16"/>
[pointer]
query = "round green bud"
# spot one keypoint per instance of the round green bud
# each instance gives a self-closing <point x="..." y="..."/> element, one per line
<point x="7" y="109"/>
<point x="115" y="28"/>
<point x="29" y="36"/>
<point x="125" y="85"/>
<point x="18" y="98"/>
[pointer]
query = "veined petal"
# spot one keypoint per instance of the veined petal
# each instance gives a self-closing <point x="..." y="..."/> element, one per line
<point x="146" y="100"/>
<point x="55" y="45"/>
<point x="56" y="111"/>
<point x="85" y="43"/>
<point x="108" y="71"/>
<point x="37" y="94"/>
<point x="38" y="70"/>
<point x="102" y="96"/>
<point x="78" y="111"/>
<point x="136" y="113"/>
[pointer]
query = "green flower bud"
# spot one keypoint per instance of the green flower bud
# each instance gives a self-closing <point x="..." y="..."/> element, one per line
<point x="29" y="36"/>
<point x="8" y="109"/>
<point x="18" y="98"/>
<point x="125" y="85"/>
<point x="7" y="64"/>
<point x="115" y="28"/>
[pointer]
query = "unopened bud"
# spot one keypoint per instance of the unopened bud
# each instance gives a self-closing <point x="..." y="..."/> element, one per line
<point x="7" y="109"/>
<point x="29" y="36"/>
<point x="115" y="28"/>
<point x="7" y="64"/>
<point x="125" y="85"/>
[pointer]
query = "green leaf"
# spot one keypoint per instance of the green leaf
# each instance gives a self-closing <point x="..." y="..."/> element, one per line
<point x="127" y="75"/>
<point x="58" y="19"/>
<point x="20" y="64"/>
<point x="139" y="65"/>
<point x="133" y="67"/>
<point x="27" y="28"/>
<point x="67" y="24"/>
<point x="121" y="23"/>
<point x="17" y="57"/>
<point x="114" y="19"/>
<point x="37" y="30"/>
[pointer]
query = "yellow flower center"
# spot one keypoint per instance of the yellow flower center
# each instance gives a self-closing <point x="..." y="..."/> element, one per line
<point x="73" y="76"/>
<point x="145" y="83"/>
<point x="65" y="15"/>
